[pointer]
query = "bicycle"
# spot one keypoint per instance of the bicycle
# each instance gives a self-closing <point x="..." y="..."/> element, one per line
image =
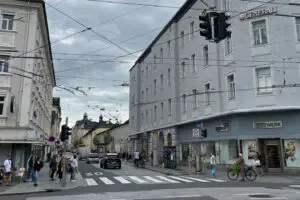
<point x="233" y="173"/>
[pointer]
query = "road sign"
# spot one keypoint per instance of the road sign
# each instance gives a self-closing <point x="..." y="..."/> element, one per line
<point x="196" y="132"/>
<point x="51" y="139"/>
<point x="198" y="125"/>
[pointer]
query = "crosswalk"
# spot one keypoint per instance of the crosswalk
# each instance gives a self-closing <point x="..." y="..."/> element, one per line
<point x="147" y="180"/>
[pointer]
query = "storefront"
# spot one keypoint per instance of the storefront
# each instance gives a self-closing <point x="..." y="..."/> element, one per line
<point x="271" y="135"/>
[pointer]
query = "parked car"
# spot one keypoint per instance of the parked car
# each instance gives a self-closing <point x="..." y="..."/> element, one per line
<point x="111" y="160"/>
<point x="92" y="158"/>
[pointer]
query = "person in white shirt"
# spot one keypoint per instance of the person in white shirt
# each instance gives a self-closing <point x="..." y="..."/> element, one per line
<point x="7" y="166"/>
<point x="74" y="167"/>
<point x="136" y="158"/>
<point x="212" y="164"/>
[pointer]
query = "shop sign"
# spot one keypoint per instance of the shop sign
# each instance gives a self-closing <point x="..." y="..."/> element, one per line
<point x="271" y="124"/>
<point x="258" y="13"/>
<point x="196" y="132"/>
<point x="155" y="133"/>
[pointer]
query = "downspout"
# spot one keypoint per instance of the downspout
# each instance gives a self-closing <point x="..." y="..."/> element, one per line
<point x="21" y="85"/>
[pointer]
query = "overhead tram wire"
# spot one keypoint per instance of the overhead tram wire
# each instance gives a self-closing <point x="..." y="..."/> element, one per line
<point x="101" y="36"/>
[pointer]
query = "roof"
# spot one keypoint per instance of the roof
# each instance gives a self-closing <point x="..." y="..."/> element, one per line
<point x="179" y="14"/>
<point x="47" y="28"/>
<point x="114" y="127"/>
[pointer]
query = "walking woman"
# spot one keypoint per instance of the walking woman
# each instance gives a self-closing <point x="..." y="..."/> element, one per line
<point x="38" y="165"/>
<point x="53" y="167"/>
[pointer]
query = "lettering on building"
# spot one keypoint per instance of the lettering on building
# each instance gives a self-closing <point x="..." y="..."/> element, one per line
<point x="258" y="13"/>
<point x="271" y="124"/>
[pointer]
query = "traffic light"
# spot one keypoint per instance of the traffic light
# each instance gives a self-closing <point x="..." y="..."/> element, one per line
<point x="205" y="26"/>
<point x="221" y="25"/>
<point x="65" y="132"/>
<point x="204" y="133"/>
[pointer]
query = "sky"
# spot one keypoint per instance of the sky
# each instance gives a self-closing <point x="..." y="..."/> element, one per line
<point x="84" y="83"/>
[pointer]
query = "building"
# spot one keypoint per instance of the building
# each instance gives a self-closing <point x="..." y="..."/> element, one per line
<point x="26" y="82"/>
<point x="55" y="121"/>
<point x="85" y="130"/>
<point x="242" y="91"/>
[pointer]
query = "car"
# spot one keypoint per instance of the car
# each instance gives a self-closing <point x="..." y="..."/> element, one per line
<point x="111" y="160"/>
<point x="92" y="158"/>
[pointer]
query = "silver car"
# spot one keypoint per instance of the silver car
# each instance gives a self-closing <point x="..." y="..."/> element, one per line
<point x="92" y="158"/>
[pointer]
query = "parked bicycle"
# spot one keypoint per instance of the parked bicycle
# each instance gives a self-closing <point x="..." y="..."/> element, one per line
<point x="234" y="172"/>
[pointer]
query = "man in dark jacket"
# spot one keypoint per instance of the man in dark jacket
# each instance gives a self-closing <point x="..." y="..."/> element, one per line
<point x="38" y="165"/>
<point x="53" y="167"/>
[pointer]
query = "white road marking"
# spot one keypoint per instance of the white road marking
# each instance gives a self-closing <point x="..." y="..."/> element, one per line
<point x="295" y="186"/>
<point x="98" y="173"/>
<point x="91" y="181"/>
<point x="183" y="196"/>
<point x="153" y="179"/>
<point x="252" y="194"/>
<point x="167" y="179"/>
<point x="135" y="178"/>
<point x="216" y="180"/>
<point x="89" y="174"/>
<point x="181" y="179"/>
<point x="197" y="179"/>
<point x="122" y="180"/>
<point x="106" y="181"/>
<point x="277" y="198"/>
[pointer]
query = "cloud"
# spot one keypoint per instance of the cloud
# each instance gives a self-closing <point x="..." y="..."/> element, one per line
<point x="98" y="79"/>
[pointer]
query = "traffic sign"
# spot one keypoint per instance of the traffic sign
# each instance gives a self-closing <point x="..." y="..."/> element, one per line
<point x="51" y="139"/>
<point x="196" y="132"/>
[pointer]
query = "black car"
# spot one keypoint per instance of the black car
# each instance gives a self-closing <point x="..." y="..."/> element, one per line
<point x="111" y="160"/>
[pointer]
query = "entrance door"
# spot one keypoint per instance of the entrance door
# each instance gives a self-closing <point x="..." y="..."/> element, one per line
<point x="273" y="157"/>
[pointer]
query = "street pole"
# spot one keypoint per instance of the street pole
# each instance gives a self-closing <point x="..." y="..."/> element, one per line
<point x="64" y="181"/>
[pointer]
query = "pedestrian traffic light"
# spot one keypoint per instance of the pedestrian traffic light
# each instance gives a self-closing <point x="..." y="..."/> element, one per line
<point x="204" y="133"/>
<point x="205" y="26"/>
<point x="221" y="25"/>
<point x="65" y="132"/>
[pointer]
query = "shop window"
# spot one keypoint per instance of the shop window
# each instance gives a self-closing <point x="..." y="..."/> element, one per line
<point x="291" y="153"/>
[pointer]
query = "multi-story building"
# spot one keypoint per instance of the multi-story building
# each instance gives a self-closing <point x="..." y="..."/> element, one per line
<point x="26" y="80"/>
<point x="55" y="121"/>
<point x="242" y="91"/>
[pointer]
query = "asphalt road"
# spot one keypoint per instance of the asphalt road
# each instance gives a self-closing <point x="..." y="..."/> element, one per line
<point x="130" y="183"/>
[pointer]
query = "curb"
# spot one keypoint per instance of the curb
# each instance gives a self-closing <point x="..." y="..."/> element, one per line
<point x="167" y="173"/>
<point x="32" y="192"/>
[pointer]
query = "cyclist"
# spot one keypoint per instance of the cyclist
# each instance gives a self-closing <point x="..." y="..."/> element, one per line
<point x="240" y="163"/>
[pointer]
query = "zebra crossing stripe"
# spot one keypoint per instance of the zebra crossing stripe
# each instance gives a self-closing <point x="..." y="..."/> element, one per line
<point x="181" y="179"/>
<point x="167" y="179"/>
<point x="137" y="179"/>
<point x="91" y="181"/>
<point x="216" y="180"/>
<point x="153" y="179"/>
<point x="122" y="180"/>
<point x="106" y="181"/>
<point x="197" y="179"/>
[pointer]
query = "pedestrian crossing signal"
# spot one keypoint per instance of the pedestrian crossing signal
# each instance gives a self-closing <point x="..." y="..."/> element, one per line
<point x="204" y="133"/>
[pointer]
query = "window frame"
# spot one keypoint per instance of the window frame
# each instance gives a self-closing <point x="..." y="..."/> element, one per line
<point x="169" y="47"/>
<point x="260" y="35"/>
<point x="194" y="99"/>
<point x="4" y="102"/>
<point x="193" y="62"/>
<point x="192" y="30"/>
<point x="227" y="47"/>
<point x="161" y="110"/>
<point x="182" y="66"/>
<point x="207" y="94"/>
<point x="184" y="103"/>
<point x="169" y="107"/>
<point x="7" y="20"/>
<point x="161" y="55"/>
<point x="268" y="90"/>
<point x="182" y="39"/>
<point x="155" y="113"/>
<point x="205" y="55"/>
<point x="161" y="82"/>
<point x="169" y="76"/>
<point x="154" y="85"/>
<point x="2" y="66"/>
<point x="297" y="26"/>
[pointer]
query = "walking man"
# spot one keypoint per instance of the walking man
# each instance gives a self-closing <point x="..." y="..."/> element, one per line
<point x="38" y="165"/>
<point x="74" y="166"/>
<point x="7" y="166"/>
<point x="53" y="167"/>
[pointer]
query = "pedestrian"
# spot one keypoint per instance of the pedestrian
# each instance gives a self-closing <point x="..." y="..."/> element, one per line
<point x="60" y="169"/>
<point x="240" y="163"/>
<point x="74" y="167"/>
<point x="53" y="167"/>
<point x="258" y="167"/>
<point x="29" y="168"/>
<point x="213" y="164"/>
<point x="136" y="158"/>
<point x="38" y="165"/>
<point x="7" y="167"/>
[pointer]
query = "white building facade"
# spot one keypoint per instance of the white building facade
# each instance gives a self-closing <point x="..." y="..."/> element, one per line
<point x="243" y="91"/>
<point x="26" y="80"/>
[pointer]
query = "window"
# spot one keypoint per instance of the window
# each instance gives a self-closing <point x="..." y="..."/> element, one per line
<point x="161" y="55"/>
<point x="182" y="69"/>
<point x="147" y="71"/>
<point x="298" y="28"/>
<point x="155" y="109"/>
<point x="142" y="75"/>
<point x="260" y="32"/>
<point x="169" y="76"/>
<point x="133" y="99"/>
<point x="143" y="96"/>
<point x="194" y="99"/>
<point x="228" y="46"/>
<point x="4" y="63"/>
<point x="205" y="55"/>
<point x="192" y="30"/>
<point x="147" y="94"/>
<point x="193" y="57"/>
<point x="169" y="47"/>
<point x="154" y="90"/>
<point x="2" y="104"/>
<point x="7" y="22"/>
<point x="142" y="119"/>
<point x="169" y="107"/>
<point x="147" y="117"/>
<point x="154" y="60"/>
<point x="264" y="82"/>
<point x="161" y="82"/>
<point x="231" y="87"/>
<point x="226" y="5"/>
<point x="182" y="38"/>
<point x="184" y="103"/>
<point x="207" y="93"/>
<point x="162" y="110"/>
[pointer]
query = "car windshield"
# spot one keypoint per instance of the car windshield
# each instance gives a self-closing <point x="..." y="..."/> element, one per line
<point x="112" y="156"/>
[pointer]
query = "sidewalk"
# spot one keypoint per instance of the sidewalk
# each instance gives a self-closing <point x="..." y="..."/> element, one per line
<point x="267" y="178"/>
<point x="44" y="184"/>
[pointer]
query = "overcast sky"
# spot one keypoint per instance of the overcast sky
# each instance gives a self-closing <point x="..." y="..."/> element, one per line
<point x="100" y="80"/>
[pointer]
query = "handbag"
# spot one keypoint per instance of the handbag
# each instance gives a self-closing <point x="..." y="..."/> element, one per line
<point x="213" y="170"/>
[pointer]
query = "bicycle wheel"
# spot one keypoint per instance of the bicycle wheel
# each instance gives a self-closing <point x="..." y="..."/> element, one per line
<point x="232" y="175"/>
<point x="251" y="175"/>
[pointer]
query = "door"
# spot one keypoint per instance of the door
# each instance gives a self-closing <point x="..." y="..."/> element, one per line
<point x="170" y="157"/>
<point x="273" y="157"/>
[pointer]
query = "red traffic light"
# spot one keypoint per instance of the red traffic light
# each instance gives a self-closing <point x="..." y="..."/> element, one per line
<point x="51" y="139"/>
